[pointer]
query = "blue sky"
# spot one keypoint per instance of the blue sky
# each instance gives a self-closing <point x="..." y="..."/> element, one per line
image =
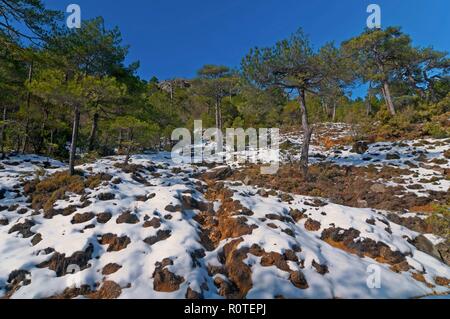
<point x="175" y="38"/>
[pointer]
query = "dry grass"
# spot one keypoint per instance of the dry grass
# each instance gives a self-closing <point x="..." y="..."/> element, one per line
<point x="45" y="193"/>
<point x="329" y="142"/>
<point x="94" y="181"/>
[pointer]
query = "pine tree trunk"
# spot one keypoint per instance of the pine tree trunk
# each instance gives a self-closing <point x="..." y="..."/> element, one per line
<point x="93" y="133"/>
<point x="27" y="120"/>
<point x="73" y="146"/>
<point x="304" y="160"/>
<point x="220" y="116"/>
<point x="3" y="132"/>
<point x="388" y="98"/>
<point x="129" y="147"/>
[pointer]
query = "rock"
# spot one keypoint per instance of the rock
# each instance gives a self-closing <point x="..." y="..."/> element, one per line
<point x="12" y="163"/>
<point x="196" y="255"/>
<point x="110" y="269"/>
<point x="193" y="295"/>
<point x="189" y="203"/>
<point x="164" y="263"/>
<point x="141" y="198"/>
<point x="13" y="207"/>
<point x="17" y="279"/>
<point x="225" y="287"/>
<point x="392" y="156"/>
<point x="441" y="281"/>
<point x="321" y="269"/>
<point x="312" y="225"/>
<point x="22" y="211"/>
<point x="279" y="217"/>
<point x="298" y="280"/>
<point x="263" y="193"/>
<point x="316" y="203"/>
<point x="290" y="255"/>
<point x="238" y="272"/>
<point x="173" y="209"/>
<point x="444" y="251"/>
<point x="82" y="218"/>
<point x="24" y="229"/>
<point x="116" y="181"/>
<point x="414" y="223"/>
<point x="256" y="250"/>
<point x="115" y="242"/>
<point x="289" y="232"/>
<point x="103" y="218"/>
<point x="286" y="198"/>
<point x="378" y="188"/>
<point x="106" y="196"/>
<point x="414" y="187"/>
<point x="361" y="203"/>
<point x="246" y="212"/>
<point x="73" y="292"/>
<point x="160" y="236"/>
<point x="18" y="276"/>
<point x="447" y="154"/>
<point x="36" y="239"/>
<point x="297" y="215"/>
<point x="347" y="241"/>
<point x="4" y="222"/>
<point x="360" y="147"/>
<point x="275" y="259"/>
<point x="127" y="218"/>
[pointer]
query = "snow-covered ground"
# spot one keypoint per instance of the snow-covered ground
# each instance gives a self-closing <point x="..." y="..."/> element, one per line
<point x="143" y="232"/>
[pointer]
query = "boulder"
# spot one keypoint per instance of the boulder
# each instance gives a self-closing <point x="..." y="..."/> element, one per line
<point x="360" y="147"/>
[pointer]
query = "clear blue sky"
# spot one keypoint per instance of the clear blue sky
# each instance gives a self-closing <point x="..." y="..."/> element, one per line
<point x="174" y="38"/>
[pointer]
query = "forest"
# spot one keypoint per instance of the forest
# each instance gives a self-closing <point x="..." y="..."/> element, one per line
<point x="69" y="92"/>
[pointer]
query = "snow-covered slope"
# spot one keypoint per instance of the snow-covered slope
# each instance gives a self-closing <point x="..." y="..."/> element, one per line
<point x="154" y="229"/>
